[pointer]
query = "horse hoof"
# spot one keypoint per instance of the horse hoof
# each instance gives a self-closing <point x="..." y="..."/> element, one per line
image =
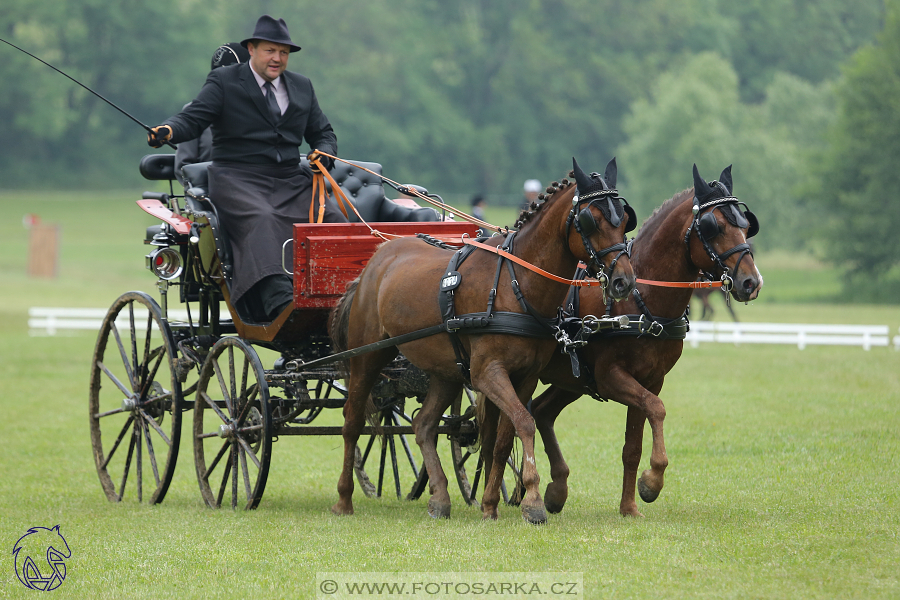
<point x="536" y="515"/>
<point x="555" y="498"/>
<point x="632" y="512"/>
<point x="437" y="510"/>
<point x="341" y="511"/>
<point x="648" y="494"/>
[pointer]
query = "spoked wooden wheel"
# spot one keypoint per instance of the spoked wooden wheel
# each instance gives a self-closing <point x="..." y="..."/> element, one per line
<point x="465" y="450"/>
<point x="393" y="459"/>
<point x="135" y="400"/>
<point x="232" y="426"/>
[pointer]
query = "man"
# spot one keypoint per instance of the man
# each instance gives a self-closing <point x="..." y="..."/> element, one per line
<point x="260" y="114"/>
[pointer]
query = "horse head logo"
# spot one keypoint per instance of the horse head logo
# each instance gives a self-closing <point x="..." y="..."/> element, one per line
<point x="40" y="558"/>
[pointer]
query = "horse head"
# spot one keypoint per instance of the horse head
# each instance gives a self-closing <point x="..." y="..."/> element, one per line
<point x="596" y="228"/>
<point x="723" y="226"/>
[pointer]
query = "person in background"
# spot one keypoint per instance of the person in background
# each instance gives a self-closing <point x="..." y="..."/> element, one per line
<point x="199" y="149"/>
<point x="478" y="204"/>
<point x="532" y="188"/>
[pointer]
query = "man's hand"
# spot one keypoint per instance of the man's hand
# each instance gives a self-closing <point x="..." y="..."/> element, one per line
<point x="326" y="162"/>
<point x="157" y="136"/>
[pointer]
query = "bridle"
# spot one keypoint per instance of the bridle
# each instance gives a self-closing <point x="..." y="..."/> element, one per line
<point x="586" y="225"/>
<point x="707" y="228"/>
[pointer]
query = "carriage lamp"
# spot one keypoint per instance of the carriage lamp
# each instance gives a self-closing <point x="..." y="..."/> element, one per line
<point x="165" y="263"/>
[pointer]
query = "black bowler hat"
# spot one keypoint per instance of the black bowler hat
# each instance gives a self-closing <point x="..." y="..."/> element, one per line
<point x="270" y="30"/>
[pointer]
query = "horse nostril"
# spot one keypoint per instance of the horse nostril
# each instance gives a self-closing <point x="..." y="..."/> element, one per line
<point x="749" y="284"/>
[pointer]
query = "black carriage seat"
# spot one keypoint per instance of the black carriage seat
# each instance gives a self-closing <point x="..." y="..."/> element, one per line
<point x="158" y="167"/>
<point x="196" y="183"/>
<point x="366" y="192"/>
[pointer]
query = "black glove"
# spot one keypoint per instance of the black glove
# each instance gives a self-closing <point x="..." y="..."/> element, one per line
<point x="327" y="163"/>
<point x="157" y="136"/>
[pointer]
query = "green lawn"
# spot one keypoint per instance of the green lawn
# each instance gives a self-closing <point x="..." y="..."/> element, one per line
<point x="781" y="481"/>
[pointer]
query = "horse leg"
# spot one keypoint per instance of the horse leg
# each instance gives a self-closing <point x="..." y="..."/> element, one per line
<point x="545" y="409"/>
<point x="441" y="395"/>
<point x="490" y="417"/>
<point x="651" y="482"/>
<point x="494" y="382"/>
<point x="364" y="371"/>
<point x="631" y="460"/>
<point x="495" y="454"/>
<point x="642" y="404"/>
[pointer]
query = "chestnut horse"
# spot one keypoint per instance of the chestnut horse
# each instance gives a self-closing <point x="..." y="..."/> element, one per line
<point x="398" y="291"/>
<point x="701" y="230"/>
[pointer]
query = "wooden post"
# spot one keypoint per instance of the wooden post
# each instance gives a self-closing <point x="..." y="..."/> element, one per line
<point x="43" y="251"/>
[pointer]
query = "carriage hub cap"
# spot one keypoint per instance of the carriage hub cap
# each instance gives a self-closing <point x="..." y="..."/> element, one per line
<point x="225" y="430"/>
<point x="128" y="404"/>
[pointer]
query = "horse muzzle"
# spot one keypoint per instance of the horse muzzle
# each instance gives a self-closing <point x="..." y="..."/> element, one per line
<point x="621" y="282"/>
<point x="746" y="287"/>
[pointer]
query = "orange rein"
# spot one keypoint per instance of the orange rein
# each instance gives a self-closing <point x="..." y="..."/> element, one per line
<point x="681" y="284"/>
<point x="313" y="159"/>
<point x="531" y="267"/>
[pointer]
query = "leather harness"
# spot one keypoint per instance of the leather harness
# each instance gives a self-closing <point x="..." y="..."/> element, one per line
<point x="528" y="324"/>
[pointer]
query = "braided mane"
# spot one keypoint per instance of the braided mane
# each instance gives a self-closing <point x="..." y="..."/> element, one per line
<point x="529" y="211"/>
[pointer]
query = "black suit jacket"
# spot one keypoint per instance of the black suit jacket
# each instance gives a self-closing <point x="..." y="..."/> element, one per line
<point x="244" y="131"/>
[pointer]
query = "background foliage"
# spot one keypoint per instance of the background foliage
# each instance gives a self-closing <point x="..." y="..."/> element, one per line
<point x="475" y="96"/>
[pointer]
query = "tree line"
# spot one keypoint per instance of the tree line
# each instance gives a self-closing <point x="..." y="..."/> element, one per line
<point x="475" y="96"/>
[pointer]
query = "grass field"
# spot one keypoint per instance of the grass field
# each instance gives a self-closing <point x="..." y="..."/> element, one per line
<point x="782" y="480"/>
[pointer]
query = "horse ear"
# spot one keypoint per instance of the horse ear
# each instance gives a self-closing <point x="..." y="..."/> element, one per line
<point x="611" y="173"/>
<point x="701" y="188"/>
<point x="582" y="180"/>
<point x="725" y="178"/>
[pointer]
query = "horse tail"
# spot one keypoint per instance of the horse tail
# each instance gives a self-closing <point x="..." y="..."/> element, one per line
<point x="339" y="331"/>
<point x="339" y="320"/>
<point x="480" y="413"/>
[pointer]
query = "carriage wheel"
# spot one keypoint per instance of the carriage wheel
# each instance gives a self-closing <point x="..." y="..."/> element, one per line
<point x="135" y="397"/>
<point x="464" y="447"/>
<point x="391" y="458"/>
<point x="232" y="426"/>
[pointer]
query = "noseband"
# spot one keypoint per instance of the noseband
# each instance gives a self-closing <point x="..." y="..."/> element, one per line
<point x="707" y="228"/>
<point x="585" y="225"/>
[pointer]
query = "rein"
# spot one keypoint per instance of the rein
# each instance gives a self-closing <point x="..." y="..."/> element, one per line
<point x="682" y="284"/>
<point x="313" y="158"/>
<point x="531" y="267"/>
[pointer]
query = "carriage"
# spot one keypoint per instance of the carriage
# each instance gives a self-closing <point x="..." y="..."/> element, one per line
<point x="152" y="368"/>
<point x="149" y="368"/>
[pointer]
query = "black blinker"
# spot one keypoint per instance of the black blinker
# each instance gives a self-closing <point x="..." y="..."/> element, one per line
<point x="632" y="218"/>
<point x="754" y="224"/>
<point x="709" y="227"/>
<point x="586" y="221"/>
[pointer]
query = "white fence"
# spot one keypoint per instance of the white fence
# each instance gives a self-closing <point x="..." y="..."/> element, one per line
<point x="795" y="334"/>
<point x="51" y="321"/>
